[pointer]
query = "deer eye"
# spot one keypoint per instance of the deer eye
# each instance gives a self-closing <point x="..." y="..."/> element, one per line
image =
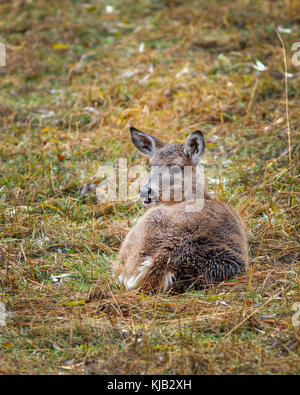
<point x="175" y="170"/>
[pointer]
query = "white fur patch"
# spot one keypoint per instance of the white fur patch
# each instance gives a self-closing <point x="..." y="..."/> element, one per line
<point x="132" y="281"/>
<point x="144" y="266"/>
<point x="169" y="280"/>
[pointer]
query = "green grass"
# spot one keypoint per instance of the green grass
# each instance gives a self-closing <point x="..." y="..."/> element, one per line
<point x="67" y="57"/>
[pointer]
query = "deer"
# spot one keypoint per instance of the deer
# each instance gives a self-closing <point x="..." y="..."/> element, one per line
<point x="188" y="241"/>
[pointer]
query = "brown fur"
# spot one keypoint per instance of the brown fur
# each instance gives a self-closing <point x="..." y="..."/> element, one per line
<point x="171" y="248"/>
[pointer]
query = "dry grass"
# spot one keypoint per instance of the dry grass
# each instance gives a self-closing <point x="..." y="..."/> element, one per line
<point x="67" y="57"/>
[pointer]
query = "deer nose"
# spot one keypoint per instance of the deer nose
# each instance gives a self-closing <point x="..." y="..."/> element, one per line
<point x="145" y="192"/>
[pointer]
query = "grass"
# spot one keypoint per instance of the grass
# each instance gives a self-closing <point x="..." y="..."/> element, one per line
<point x="75" y="80"/>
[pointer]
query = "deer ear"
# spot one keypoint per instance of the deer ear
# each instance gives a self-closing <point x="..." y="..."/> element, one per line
<point x="195" y="146"/>
<point x="145" y="144"/>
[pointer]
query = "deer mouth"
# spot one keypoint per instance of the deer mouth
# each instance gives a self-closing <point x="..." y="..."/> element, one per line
<point x="148" y="200"/>
<point x="146" y="194"/>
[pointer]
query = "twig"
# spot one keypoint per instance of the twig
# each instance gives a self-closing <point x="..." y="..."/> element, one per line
<point x="286" y="97"/>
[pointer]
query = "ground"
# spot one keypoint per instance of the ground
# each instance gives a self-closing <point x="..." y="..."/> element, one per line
<point x="78" y="74"/>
